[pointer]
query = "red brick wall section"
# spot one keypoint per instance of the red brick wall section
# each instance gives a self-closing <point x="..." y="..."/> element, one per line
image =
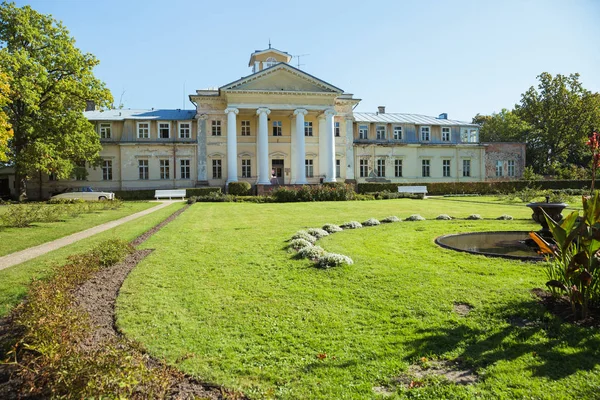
<point x="504" y="152"/>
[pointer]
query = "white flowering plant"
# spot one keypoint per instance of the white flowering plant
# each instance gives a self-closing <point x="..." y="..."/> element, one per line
<point x="371" y="222"/>
<point x="329" y="260"/>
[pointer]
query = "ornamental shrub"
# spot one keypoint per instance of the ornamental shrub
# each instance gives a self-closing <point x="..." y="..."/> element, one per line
<point x="505" y="217"/>
<point x="318" y="232"/>
<point x="311" y="252"/>
<point x="304" y="235"/>
<point x="112" y="251"/>
<point x="473" y="217"/>
<point x="443" y="217"/>
<point x="336" y="192"/>
<point x="329" y="260"/>
<point x="371" y="222"/>
<point x="351" y="225"/>
<point x="332" y="228"/>
<point x="415" y="217"/>
<point x="390" y="219"/>
<point x="239" y="188"/>
<point x="298" y="244"/>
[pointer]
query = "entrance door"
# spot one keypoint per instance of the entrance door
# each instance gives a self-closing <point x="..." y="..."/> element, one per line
<point x="277" y="172"/>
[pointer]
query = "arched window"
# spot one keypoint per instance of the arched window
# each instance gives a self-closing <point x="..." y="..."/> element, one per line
<point x="270" y="62"/>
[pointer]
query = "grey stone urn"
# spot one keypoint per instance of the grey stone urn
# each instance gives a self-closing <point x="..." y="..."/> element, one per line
<point x="554" y="211"/>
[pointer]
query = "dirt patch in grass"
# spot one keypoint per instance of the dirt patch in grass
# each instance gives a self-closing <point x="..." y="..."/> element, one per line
<point x="560" y="307"/>
<point x="427" y="370"/>
<point x="462" y="309"/>
<point x="97" y="297"/>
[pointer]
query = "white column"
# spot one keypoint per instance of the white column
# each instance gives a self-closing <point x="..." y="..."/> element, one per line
<point x="322" y="147"/>
<point x="300" y="147"/>
<point x="232" y="167"/>
<point x="330" y="155"/>
<point x="264" y="177"/>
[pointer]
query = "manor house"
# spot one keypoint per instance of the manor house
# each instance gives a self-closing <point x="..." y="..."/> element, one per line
<point x="278" y="126"/>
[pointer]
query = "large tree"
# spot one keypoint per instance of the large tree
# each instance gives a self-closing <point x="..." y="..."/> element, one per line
<point x="6" y="131"/>
<point x="51" y="80"/>
<point x="504" y="126"/>
<point x="561" y="114"/>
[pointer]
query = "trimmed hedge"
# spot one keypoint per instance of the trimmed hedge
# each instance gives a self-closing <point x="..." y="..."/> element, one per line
<point x="239" y="188"/>
<point x="440" y="188"/>
<point x="149" y="194"/>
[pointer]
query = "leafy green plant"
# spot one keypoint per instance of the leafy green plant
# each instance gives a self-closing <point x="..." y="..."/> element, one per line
<point x="239" y="188"/>
<point x="574" y="268"/>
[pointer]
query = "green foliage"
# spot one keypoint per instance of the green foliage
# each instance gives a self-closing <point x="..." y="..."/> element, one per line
<point x="561" y="114"/>
<point x="312" y="253"/>
<point x="371" y="222"/>
<point x="51" y="80"/>
<point x="149" y="194"/>
<point x="331" y="228"/>
<point x="112" y="251"/>
<point x="530" y="176"/>
<point x="329" y="260"/>
<point x="239" y="188"/>
<point x="23" y="215"/>
<point x="504" y="126"/>
<point x="336" y="191"/>
<point x="390" y="219"/>
<point x="299" y="243"/>
<point x="51" y="358"/>
<point x="574" y="268"/>
<point x="482" y="188"/>
<point x="202" y="191"/>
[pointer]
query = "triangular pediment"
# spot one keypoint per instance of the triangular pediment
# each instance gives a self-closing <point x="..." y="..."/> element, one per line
<point x="282" y="77"/>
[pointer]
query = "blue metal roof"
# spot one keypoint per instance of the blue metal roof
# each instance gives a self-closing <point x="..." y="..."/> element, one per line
<point x="414" y="119"/>
<point x="121" y="115"/>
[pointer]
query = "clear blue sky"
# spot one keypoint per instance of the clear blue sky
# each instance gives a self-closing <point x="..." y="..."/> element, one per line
<point x="427" y="57"/>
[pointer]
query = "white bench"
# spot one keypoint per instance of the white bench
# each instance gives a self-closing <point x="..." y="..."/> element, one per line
<point x="161" y="194"/>
<point x="420" y="190"/>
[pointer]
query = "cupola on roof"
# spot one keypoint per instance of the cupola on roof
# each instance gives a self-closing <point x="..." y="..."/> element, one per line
<point x="262" y="59"/>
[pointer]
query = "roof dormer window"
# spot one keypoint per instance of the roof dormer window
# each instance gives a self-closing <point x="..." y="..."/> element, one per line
<point x="270" y="62"/>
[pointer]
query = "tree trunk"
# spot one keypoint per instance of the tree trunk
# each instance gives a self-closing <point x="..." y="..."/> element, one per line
<point x="40" y="187"/>
<point x="21" y="181"/>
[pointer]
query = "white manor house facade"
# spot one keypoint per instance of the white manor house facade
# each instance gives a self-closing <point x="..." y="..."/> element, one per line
<point x="281" y="125"/>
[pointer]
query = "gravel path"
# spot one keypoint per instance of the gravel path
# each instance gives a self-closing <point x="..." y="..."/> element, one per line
<point x="25" y="255"/>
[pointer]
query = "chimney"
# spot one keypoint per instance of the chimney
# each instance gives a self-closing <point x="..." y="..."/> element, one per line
<point x="443" y="116"/>
<point x="381" y="110"/>
<point x="90" y="105"/>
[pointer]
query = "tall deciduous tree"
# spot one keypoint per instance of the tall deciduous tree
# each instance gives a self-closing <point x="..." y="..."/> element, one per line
<point x="504" y="126"/>
<point x="51" y="80"/>
<point x="561" y="114"/>
<point x="6" y="131"/>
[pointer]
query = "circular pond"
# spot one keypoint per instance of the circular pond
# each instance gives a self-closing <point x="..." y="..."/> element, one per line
<point x="506" y="244"/>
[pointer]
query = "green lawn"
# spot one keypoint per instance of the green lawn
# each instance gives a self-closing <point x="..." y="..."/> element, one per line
<point x="15" y="280"/>
<point x="15" y="239"/>
<point x="222" y="299"/>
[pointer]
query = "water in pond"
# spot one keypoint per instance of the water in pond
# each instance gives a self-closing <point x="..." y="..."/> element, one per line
<point x="497" y="244"/>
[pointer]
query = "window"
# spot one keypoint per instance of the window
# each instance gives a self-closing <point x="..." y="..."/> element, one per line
<point x="336" y="129"/>
<point x="499" y="168"/>
<point x="446" y="168"/>
<point x="143" y="130"/>
<point x="143" y="169"/>
<point x="107" y="170"/>
<point x="380" y="131"/>
<point x="277" y="128"/>
<point x="185" y="130"/>
<point x="216" y="128"/>
<point x="105" y="131"/>
<point x="246" y="168"/>
<point x="245" y="128"/>
<point x="269" y="63"/>
<point x="308" y="129"/>
<point x="425" y="164"/>
<point x="425" y="134"/>
<point x="185" y="169"/>
<point x="338" y="168"/>
<point x="469" y="135"/>
<point x="398" y="168"/>
<point x="164" y="130"/>
<point x="364" y="168"/>
<point x="397" y="133"/>
<point x="511" y="167"/>
<point x="217" y="171"/>
<point x="381" y="167"/>
<point x="466" y="167"/>
<point x="164" y="169"/>
<point x="79" y="172"/>
<point x="309" y="168"/>
<point x="363" y="132"/>
<point x="445" y="134"/>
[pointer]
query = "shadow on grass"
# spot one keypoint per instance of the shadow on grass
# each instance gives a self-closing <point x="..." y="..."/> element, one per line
<point x="560" y="348"/>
